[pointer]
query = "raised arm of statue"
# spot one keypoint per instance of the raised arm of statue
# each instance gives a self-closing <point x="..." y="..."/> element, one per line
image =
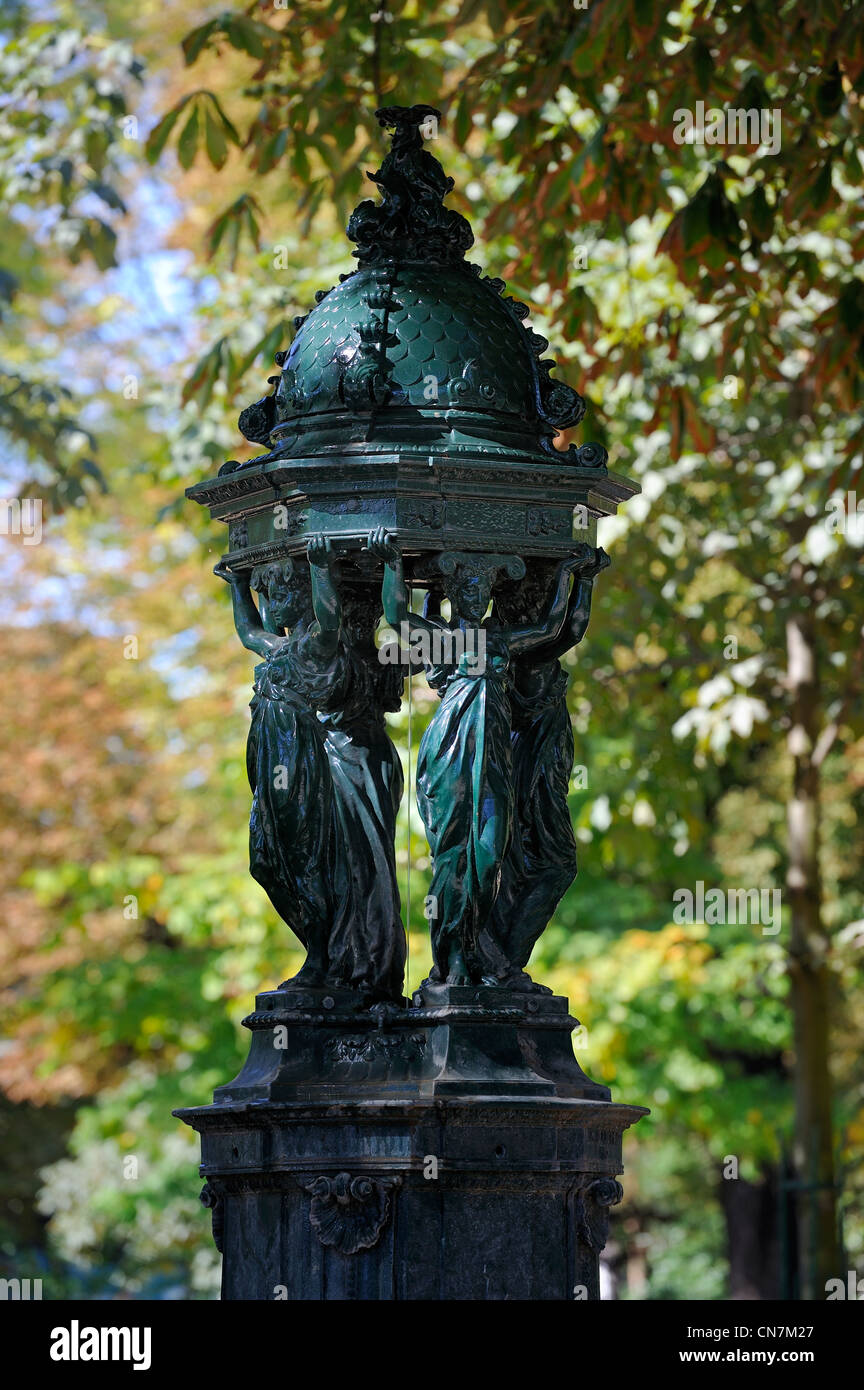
<point x="548" y="627"/>
<point x="575" y="624"/>
<point x="583" y="589"/>
<point x="394" y="591"/>
<point x="247" y="619"/>
<point x="325" y="596"/>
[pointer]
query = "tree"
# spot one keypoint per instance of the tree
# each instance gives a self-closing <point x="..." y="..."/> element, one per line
<point x="67" y="123"/>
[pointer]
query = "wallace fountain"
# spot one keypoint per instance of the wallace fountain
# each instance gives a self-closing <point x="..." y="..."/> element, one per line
<point x="448" y="1145"/>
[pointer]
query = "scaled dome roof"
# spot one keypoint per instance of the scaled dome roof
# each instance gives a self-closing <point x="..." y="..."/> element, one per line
<point x="448" y="335"/>
<point x="416" y="348"/>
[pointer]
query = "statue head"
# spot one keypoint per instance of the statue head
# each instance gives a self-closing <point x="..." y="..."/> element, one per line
<point x="469" y="579"/>
<point x="287" y="587"/>
<point x="361" y="610"/>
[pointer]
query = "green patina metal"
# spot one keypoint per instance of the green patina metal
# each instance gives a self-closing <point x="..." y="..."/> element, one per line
<point x="414" y="395"/>
<point x="410" y="441"/>
<point x="442" y="339"/>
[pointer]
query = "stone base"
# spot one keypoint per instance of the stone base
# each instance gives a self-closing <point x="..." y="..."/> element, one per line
<point x="453" y="1149"/>
<point x="309" y="1045"/>
<point x="440" y="1199"/>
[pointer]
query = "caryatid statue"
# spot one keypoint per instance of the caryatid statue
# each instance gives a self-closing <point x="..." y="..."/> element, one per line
<point x="326" y="780"/>
<point x="466" y="787"/>
<point x="540" y="863"/>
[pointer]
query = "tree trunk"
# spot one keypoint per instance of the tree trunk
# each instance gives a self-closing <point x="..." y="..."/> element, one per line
<point x="752" y="1236"/>
<point x="818" y="1246"/>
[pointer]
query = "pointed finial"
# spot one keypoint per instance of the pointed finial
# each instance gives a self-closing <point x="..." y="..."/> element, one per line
<point x="410" y="222"/>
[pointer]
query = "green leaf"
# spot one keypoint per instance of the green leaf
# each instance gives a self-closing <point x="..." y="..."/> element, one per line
<point x="187" y="145"/>
<point x="248" y="36"/>
<point x="96" y="149"/>
<point x="820" y="189"/>
<point x="829" y="96"/>
<point x="204" y="374"/>
<point x="759" y="214"/>
<point x="252" y="223"/>
<point x="852" y="163"/>
<point x="703" y="64"/>
<point x="588" y="56"/>
<point x="753" y="95"/>
<point x="272" y="151"/>
<point x="217" y="231"/>
<point x="8" y="286"/>
<point x="312" y="206"/>
<point x="462" y="123"/>
<point x="195" y="41"/>
<point x="100" y="241"/>
<point x="265" y="348"/>
<point x="91" y="469"/>
<point x="694" y="222"/>
<point x="233" y="240"/>
<point x="228" y="126"/>
<point x="158" y="137"/>
<point x="230" y="223"/>
<point x="343" y="135"/>
<point x="217" y="145"/>
<point x="850" y="306"/>
<point x="806" y="263"/>
<point x="107" y="194"/>
<point x="300" y="163"/>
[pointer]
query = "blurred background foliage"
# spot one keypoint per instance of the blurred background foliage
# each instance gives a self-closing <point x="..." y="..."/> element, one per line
<point x="173" y="185"/>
